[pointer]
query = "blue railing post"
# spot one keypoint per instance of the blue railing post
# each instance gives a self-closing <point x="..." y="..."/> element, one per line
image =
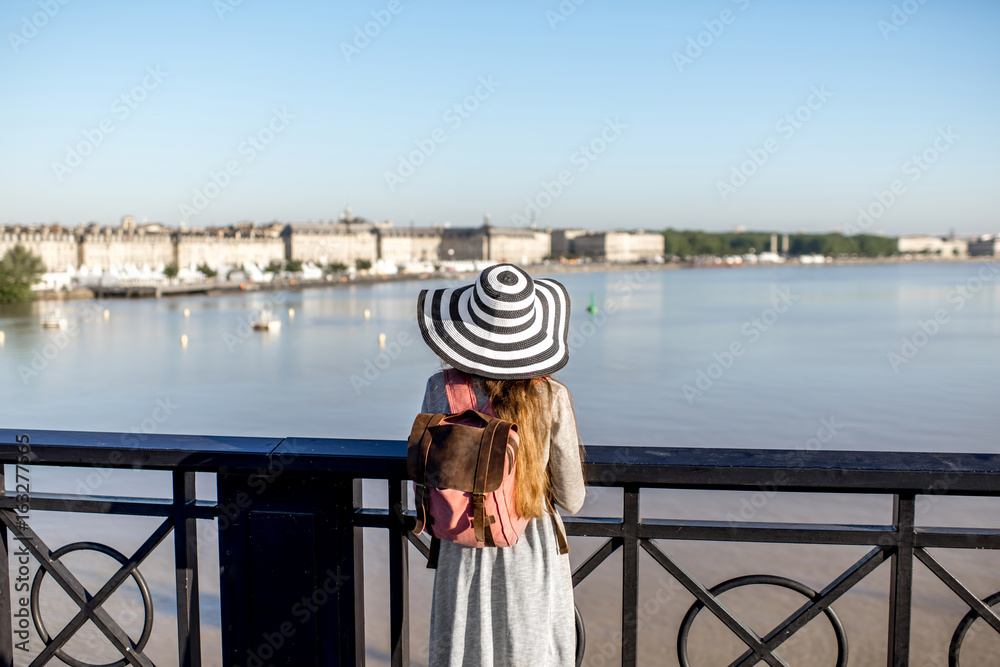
<point x="399" y="576"/>
<point x="901" y="583"/>
<point x="630" y="576"/>
<point x="290" y="569"/>
<point x="186" y="565"/>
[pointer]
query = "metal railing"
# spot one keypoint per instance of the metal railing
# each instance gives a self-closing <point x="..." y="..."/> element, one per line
<point x="292" y="508"/>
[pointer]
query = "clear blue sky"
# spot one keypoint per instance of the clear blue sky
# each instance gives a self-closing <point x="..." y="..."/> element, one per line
<point x="686" y="124"/>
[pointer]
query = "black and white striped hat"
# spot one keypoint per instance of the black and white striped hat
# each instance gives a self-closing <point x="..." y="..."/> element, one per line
<point x="504" y="326"/>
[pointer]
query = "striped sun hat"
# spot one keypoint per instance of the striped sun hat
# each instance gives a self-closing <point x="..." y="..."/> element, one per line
<point x="504" y="326"/>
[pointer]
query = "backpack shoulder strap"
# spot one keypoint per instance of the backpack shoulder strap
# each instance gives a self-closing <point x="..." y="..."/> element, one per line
<point x="433" y="553"/>
<point x="561" y="537"/>
<point x="417" y="452"/>
<point x="461" y="394"/>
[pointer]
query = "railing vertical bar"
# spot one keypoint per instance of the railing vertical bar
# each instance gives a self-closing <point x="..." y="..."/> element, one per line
<point x="351" y="566"/>
<point x="901" y="583"/>
<point x="630" y="576"/>
<point x="7" y="627"/>
<point x="399" y="576"/>
<point x="186" y="565"/>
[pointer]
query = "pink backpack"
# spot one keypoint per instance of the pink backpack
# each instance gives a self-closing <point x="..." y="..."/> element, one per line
<point x="463" y="466"/>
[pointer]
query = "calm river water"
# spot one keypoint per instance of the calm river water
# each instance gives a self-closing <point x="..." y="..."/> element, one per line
<point x="897" y="357"/>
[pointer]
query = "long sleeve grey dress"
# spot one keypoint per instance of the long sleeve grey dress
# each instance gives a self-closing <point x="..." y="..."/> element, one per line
<point x="511" y="606"/>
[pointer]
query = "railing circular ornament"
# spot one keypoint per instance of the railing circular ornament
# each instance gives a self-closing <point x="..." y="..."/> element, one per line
<point x="765" y="580"/>
<point x="963" y="629"/>
<point x="147" y="602"/>
<point x="581" y="636"/>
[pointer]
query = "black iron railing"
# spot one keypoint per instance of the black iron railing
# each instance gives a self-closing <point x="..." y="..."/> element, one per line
<point x="290" y="513"/>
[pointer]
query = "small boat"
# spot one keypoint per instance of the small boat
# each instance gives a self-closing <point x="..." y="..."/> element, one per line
<point x="53" y="321"/>
<point x="265" y="321"/>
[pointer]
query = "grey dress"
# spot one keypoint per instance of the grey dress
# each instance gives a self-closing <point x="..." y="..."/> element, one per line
<point x="511" y="606"/>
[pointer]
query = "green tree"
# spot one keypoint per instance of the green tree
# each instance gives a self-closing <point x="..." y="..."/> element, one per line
<point x="293" y="266"/>
<point x="19" y="270"/>
<point x="207" y="271"/>
<point x="363" y="264"/>
<point x="273" y="267"/>
<point x="692" y="243"/>
<point x="171" y="270"/>
<point x="876" y="246"/>
<point x="335" y="267"/>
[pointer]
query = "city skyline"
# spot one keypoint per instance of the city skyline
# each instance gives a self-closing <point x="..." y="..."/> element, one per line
<point x="348" y="215"/>
<point x="771" y="116"/>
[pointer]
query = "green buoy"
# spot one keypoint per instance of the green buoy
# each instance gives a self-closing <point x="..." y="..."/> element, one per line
<point x="592" y="308"/>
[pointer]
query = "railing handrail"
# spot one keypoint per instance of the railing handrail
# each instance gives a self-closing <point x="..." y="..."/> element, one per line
<point x="314" y="517"/>
<point x="802" y="470"/>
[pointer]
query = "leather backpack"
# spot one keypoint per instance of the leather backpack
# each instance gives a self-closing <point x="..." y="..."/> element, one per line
<point x="463" y="470"/>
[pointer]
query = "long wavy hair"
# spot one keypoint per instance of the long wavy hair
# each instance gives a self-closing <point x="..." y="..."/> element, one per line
<point x="527" y="403"/>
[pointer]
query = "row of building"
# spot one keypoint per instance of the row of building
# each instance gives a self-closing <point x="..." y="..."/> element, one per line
<point x="951" y="246"/>
<point x="344" y="241"/>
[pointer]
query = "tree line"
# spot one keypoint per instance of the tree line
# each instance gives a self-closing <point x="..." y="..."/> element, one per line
<point x="693" y="243"/>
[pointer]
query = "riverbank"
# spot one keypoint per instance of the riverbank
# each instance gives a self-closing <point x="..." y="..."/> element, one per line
<point x="216" y="288"/>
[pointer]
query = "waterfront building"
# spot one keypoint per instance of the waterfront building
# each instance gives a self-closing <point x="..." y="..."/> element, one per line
<point x="401" y="245"/>
<point x="620" y="246"/>
<point x="562" y="240"/>
<point x="130" y="247"/>
<point x="985" y="246"/>
<point x="229" y="246"/>
<point x="104" y="248"/>
<point x="933" y="245"/>
<point x="345" y="241"/>
<point x="496" y="244"/>
<point x="57" y="247"/>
